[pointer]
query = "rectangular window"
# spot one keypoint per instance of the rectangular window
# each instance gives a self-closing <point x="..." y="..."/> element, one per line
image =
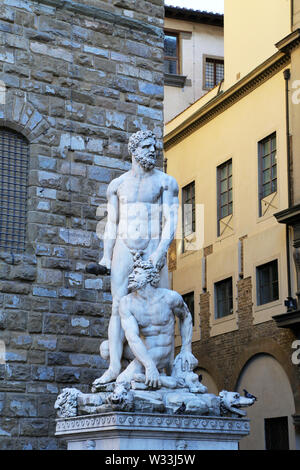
<point x="189" y="300"/>
<point x="277" y="433"/>
<point x="223" y="298"/>
<point x="224" y="183"/>
<point x="214" y="72"/>
<point x="267" y="283"/>
<point x="171" y="51"/>
<point x="267" y="162"/>
<point x="188" y="210"/>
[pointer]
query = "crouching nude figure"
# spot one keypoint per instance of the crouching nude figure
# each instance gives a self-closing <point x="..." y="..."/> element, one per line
<point x="148" y="319"/>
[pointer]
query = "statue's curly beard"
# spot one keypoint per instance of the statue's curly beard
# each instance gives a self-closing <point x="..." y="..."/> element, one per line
<point x="134" y="285"/>
<point x="148" y="163"/>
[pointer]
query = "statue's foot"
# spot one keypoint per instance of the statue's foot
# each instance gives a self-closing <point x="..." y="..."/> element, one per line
<point x="109" y="376"/>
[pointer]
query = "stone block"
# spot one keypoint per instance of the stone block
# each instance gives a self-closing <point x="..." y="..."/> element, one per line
<point x="68" y="344"/>
<point x="56" y="324"/>
<point x="36" y="357"/>
<point x="21" y="341"/>
<point x="79" y="326"/>
<point x="42" y="373"/>
<point x="34" y="427"/>
<point x="14" y="287"/>
<point x="44" y="292"/>
<point x="75" y="237"/>
<point x="51" y="277"/>
<point x="61" y="306"/>
<point x="45" y="343"/>
<point x="17" y="320"/>
<point x="89" y="345"/>
<point x="138" y="49"/>
<point x="87" y="360"/>
<point x="21" y="406"/>
<point x="16" y="356"/>
<point x="116" y="120"/>
<point x="99" y="174"/>
<point x="6" y="56"/>
<point x="49" y="180"/>
<point x="67" y="375"/>
<point x="18" y="372"/>
<point x="58" y="359"/>
<point x="96" y="51"/>
<point x="46" y="406"/>
<point x="93" y="284"/>
<point x="23" y="273"/>
<point x="57" y="53"/>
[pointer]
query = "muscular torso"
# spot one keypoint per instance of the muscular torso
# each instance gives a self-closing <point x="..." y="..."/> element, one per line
<point x="156" y="324"/>
<point x="140" y="209"/>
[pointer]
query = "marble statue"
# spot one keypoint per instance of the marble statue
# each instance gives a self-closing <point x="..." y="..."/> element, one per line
<point x="142" y="217"/>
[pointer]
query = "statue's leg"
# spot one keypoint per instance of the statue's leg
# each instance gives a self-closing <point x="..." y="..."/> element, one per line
<point x="121" y="267"/>
<point x="135" y="367"/>
<point x="104" y="351"/>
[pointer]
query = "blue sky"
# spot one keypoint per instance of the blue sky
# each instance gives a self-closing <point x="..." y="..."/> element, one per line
<point x="216" y="6"/>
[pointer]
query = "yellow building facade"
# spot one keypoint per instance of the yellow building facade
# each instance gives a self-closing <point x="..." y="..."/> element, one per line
<point x="231" y="253"/>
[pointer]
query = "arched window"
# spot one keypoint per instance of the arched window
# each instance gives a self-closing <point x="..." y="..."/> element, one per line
<point x="14" y="161"/>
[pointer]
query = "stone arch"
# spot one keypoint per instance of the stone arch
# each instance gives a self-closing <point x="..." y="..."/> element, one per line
<point x="270" y="347"/>
<point x="264" y="377"/>
<point x="18" y="115"/>
<point x="21" y="116"/>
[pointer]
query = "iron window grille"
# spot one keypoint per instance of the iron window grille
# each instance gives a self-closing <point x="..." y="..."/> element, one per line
<point x="188" y="210"/>
<point x="267" y="162"/>
<point x="14" y="163"/>
<point x="171" y="51"/>
<point x="190" y="302"/>
<point x="267" y="283"/>
<point x="214" y="72"/>
<point x="224" y="196"/>
<point x="223" y="298"/>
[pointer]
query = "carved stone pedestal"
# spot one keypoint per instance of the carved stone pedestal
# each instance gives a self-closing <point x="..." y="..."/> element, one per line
<point x="151" y="431"/>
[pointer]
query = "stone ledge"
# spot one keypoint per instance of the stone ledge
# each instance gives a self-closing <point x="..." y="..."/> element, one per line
<point x="175" y="80"/>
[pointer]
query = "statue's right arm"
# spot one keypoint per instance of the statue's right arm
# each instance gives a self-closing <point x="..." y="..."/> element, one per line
<point x="111" y="227"/>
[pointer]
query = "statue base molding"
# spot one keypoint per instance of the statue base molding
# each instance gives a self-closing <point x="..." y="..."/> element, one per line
<point x="151" y="431"/>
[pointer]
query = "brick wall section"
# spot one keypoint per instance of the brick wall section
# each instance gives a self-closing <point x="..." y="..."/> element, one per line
<point x="77" y="87"/>
<point x="224" y="356"/>
<point x="244" y="290"/>
<point x="204" y="316"/>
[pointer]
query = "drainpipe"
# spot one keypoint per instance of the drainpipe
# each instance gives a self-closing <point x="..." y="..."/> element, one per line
<point x="287" y="76"/>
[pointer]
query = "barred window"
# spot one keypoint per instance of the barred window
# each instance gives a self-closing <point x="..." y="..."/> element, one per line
<point x="14" y="161"/>
<point x="267" y="162"/>
<point x="214" y="72"/>
<point x="224" y="179"/>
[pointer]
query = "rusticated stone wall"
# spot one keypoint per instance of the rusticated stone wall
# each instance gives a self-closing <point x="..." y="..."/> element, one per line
<point x="80" y="77"/>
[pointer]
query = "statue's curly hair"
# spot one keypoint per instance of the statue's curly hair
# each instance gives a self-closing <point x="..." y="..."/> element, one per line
<point x="152" y="273"/>
<point x="138" y="137"/>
